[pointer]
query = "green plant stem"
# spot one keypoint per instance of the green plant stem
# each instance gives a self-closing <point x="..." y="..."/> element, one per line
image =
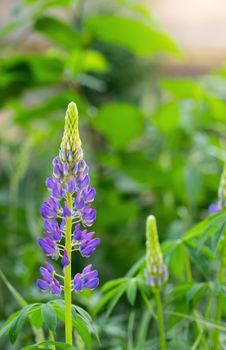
<point x="67" y="278"/>
<point x="160" y="320"/>
<point x="149" y="306"/>
<point x="201" y="337"/>
<point x="220" y="301"/>
<point x="51" y="336"/>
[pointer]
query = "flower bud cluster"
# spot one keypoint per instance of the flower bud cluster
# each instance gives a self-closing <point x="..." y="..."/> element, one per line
<point x="156" y="271"/>
<point x="221" y="203"/>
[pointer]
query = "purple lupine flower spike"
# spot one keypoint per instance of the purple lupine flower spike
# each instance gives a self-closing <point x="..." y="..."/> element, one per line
<point x="70" y="177"/>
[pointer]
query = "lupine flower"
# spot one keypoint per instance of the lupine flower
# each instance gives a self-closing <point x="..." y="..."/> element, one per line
<point x="70" y="198"/>
<point x="87" y="279"/>
<point x="221" y="203"/>
<point x="156" y="271"/>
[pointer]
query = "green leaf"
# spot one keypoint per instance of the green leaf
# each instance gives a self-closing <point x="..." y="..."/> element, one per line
<point x="86" y="61"/>
<point x="200" y="261"/>
<point x="83" y="331"/>
<point x="21" y="301"/>
<point x="183" y="88"/>
<point x="58" y="31"/>
<point x="49" y="316"/>
<point x="119" y="291"/>
<point x="217" y="236"/>
<point x="36" y="317"/>
<point x="8" y="324"/>
<point x="139" y="265"/>
<point x="167" y="117"/>
<point x="142" y="330"/>
<point x="132" y="291"/>
<point x="19" y="322"/>
<point x="193" y="184"/>
<point x="114" y="283"/>
<point x="79" y="323"/>
<point x="127" y="32"/>
<point x="196" y="292"/>
<point x="120" y="123"/>
<point x="48" y="346"/>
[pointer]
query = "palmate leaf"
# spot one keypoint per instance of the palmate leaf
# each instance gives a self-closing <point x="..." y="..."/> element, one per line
<point x="18" y="322"/>
<point x="132" y="291"/>
<point x="49" y="316"/>
<point x="81" y="321"/>
<point x="207" y="227"/>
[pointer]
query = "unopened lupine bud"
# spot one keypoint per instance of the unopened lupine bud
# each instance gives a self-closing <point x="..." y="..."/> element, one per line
<point x="70" y="177"/>
<point x="70" y="149"/>
<point x="156" y="270"/>
<point x="221" y="203"/>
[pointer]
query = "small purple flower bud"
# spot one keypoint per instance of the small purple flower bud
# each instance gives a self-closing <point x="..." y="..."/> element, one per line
<point x="89" y="194"/>
<point x="92" y="284"/>
<point x="78" y="282"/>
<point x="74" y="168"/>
<point x="49" y="267"/>
<point x="213" y="208"/>
<point x="69" y="156"/>
<point x="88" y="247"/>
<point x="66" y="211"/>
<point x="57" y="171"/>
<point x="87" y="269"/>
<point x="65" y="169"/>
<point x="43" y="285"/>
<point x="71" y="185"/>
<point x="65" y="261"/>
<point x="79" y="202"/>
<point x="56" y="287"/>
<point x="85" y="182"/>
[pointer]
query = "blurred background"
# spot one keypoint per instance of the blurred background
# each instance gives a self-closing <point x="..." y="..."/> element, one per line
<point x="150" y="84"/>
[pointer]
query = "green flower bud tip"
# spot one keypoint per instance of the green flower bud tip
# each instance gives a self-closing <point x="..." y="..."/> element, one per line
<point x="156" y="270"/>
<point x="222" y="187"/>
<point x="71" y="143"/>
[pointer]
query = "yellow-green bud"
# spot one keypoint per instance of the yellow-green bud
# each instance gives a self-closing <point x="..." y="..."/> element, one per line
<point x="222" y="189"/>
<point x="156" y="271"/>
<point x="71" y="143"/>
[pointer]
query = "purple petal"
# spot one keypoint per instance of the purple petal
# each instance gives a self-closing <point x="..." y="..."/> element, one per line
<point x="92" y="284"/>
<point x="42" y="284"/>
<point x="78" y="283"/>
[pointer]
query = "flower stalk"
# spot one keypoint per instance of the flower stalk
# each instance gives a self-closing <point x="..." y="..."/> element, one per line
<point x="67" y="278"/>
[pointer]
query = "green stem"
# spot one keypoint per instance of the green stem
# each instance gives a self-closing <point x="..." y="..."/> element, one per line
<point x="220" y="301"/>
<point x="149" y="306"/>
<point x="201" y="337"/>
<point x="160" y="320"/>
<point x="51" y="336"/>
<point x="67" y="279"/>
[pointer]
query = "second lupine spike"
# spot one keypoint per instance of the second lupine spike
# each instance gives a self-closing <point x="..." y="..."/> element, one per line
<point x="156" y="270"/>
<point x="70" y="176"/>
<point x="221" y="202"/>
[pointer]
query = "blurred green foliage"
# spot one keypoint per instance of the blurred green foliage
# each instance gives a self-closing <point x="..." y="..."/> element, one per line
<point x="154" y="143"/>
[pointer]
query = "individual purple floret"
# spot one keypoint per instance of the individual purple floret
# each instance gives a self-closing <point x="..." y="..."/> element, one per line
<point x="84" y="242"/>
<point x="87" y="279"/>
<point x="69" y="205"/>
